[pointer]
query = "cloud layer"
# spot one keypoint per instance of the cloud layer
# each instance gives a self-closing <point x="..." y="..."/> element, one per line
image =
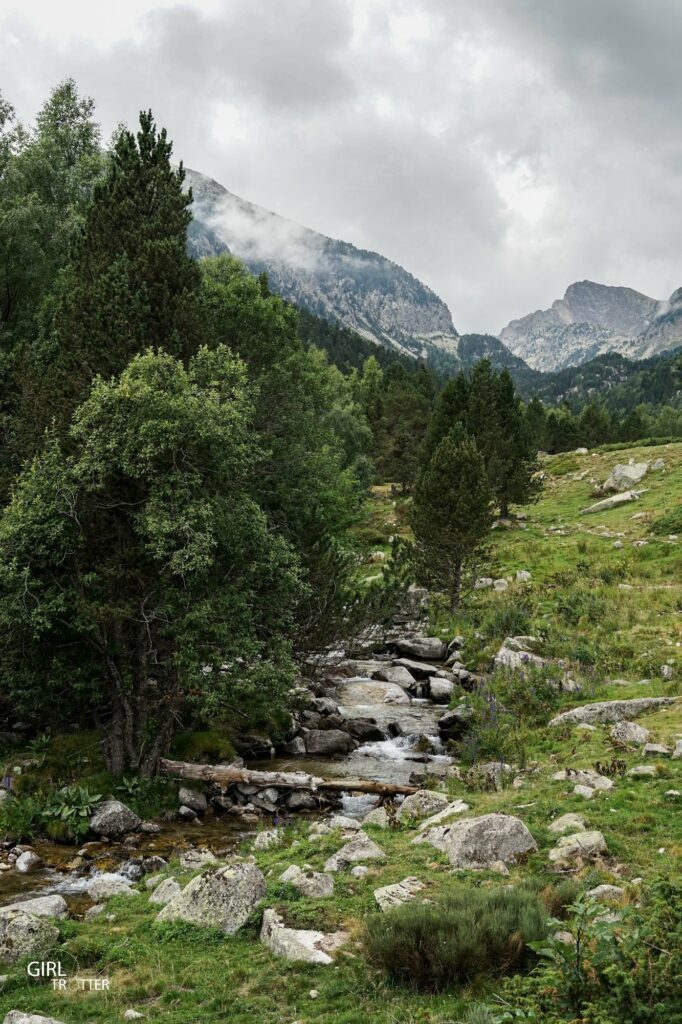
<point x="497" y="150"/>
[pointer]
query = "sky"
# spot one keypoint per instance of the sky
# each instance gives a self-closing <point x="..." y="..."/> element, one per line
<point x="498" y="149"/>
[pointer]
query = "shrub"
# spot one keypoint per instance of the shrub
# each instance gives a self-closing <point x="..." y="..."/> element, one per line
<point x="207" y="746"/>
<point x="508" y="618"/>
<point x="20" y="818"/>
<point x="469" y="935"/>
<point x="671" y="522"/>
<point x="73" y="806"/>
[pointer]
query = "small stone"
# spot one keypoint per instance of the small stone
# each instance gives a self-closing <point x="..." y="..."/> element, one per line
<point x="500" y="585"/>
<point x="359" y="871"/>
<point x="667" y="671"/>
<point x="523" y="576"/>
<point x="585" y="791"/>
<point x="677" y="752"/>
<point x="605" y="892"/>
<point x="132" y="1015"/>
<point x="567" y="823"/>
<point x="360" y="848"/>
<point x="656" y="750"/>
<point x="642" y="771"/>
<point x="193" y="798"/>
<point x="267" y="839"/>
<point x="673" y="794"/>
<point x="28" y="862"/>
<point x="187" y="814"/>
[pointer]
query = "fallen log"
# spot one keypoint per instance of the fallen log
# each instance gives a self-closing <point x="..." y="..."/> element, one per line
<point x="226" y="775"/>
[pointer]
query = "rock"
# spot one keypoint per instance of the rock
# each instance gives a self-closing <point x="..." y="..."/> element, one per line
<point x="325" y="742"/>
<point x="482" y="842"/>
<point x="41" y="906"/>
<point x="672" y="794"/>
<point x="440" y="690"/>
<point x="378" y="816"/>
<point x="585" y="791"/>
<point x="150" y="828"/>
<point x="153" y="863"/>
<point x="667" y="671"/>
<point x="523" y="576"/>
<point x="421" y="804"/>
<point x="516" y="654"/>
<point x="343" y="822"/>
<point x="361" y="847"/>
<point x="365" y="730"/>
<point x="677" y="752"/>
<point x="609" y="503"/>
<point x="657" y="466"/>
<point x="395" y="895"/>
<point x="165" y="892"/>
<point x="301" y="801"/>
<point x="397" y="674"/>
<point x="629" y="732"/>
<point x="95" y="910"/>
<point x="581" y="451"/>
<point x="567" y="823"/>
<point x="314" y="884"/>
<point x="106" y="888"/>
<point x="647" y="771"/>
<point x="656" y="750"/>
<point x="112" y="818"/>
<point x="605" y="892"/>
<point x="28" y="862"/>
<point x="445" y="815"/>
<point x="222" y="899"/>
<point x="500" y="585"/>
<point x="359" y="871"/>
<point x="623" y="478"/>
<point x="612" y="710"/>
<point x="586" y="845"/>
<point x="267" y="839"/>
<point x="255" y="747"/>
<point x="483" y="583"/>
<point x="422" y="647"/>
<point x="19" y="1017"/>
<point x="453" y="724"/>
<point x="584" y="777"/>
<point x="23" y="935"/>
<point x="299" y="944"/>
<point x="187" y="814"/>
<point x="193" y="799"/>
<point x="296" y="746"/>
<point x="417" y="669"/>
<point x="195" y="860"/>
<point x="132" y="1015"/>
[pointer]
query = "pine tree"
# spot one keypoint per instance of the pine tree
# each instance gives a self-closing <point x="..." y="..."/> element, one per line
<point x="451" y="515"/>
<point x="451" y="407"/>
<point x="130" y="284"/>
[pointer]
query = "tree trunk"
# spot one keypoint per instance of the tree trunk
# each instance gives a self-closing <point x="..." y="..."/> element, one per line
<point x="225" y="775"/>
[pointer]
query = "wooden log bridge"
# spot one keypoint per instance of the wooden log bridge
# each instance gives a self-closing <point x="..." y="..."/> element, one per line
<point x="226" y="775"/>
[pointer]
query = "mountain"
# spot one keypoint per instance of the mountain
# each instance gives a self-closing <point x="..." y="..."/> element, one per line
<point x="591" y="320"/>
<point x="362" y="290"/>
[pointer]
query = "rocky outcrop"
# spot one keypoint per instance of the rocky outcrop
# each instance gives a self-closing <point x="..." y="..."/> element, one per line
<point x="112" y="819"/>
<point x="422" y="804"/>
<point x="41" y="906"/>
<point x="611" y="710"/>
<point x="624" y="477"/>
<point x="311" y="947"/>
<point x="389" y="896"/>
<point x="483" y="842"/>
<point x="23" y="935"/>
<point x="221" y="899"/>
<point x="608" y="503"/>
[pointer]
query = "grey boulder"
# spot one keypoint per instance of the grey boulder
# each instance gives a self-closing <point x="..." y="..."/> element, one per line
<point x="23" y="935"/>
<point x="328" y="741"/>
<point x="220" y="899"/>
<point x="629" y="732"/>
<point x="422" y="647"/>
<point x="41" y="906"/>
<point x="19" y="1017"/>
<point x="112" y="818"/>
<point x="298" y="943"/>
<point x="192" y="798"/>
<point x="581" y="845"/>
<point x="482" y="842"/>
<point x="165" y="892"/>
<point x="612" y="710"/>
<point x="422" y="804"/>
<point x="389" y="896"/>
<point x="28" y="862"/>
<point x="360" y="848"/>
<point x="314" y="884"/>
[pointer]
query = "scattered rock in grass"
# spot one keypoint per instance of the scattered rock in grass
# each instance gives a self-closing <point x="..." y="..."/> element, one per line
<point x="612" y="710"/>
<point x="361" y="847"/>
<point x="523" y="576"/>
<point x="343" y="822"/>
<point x="299" y="944"/>
<point x="23" y="935"/>
<point x="41" y="906"/>
<point x="112" y="819"/>
<point x="629" y="732"/>
<point x="567" y="823"/>
<point x="609" y="503"/>
<point x="154" y="863"/>
<point x="193" y="798"/>
<point x="195" y="860"/>
<point x="516" y="653"/>
<point x="584" y="777"/>
<point x="421" y="804"/>
<point x="481" y="842"/>
<point x="395" y="895"/>
<point x="646" y="771"/>
<point x="268" y="838"/>
<point x="359" y="871"/>
<point x="656" y="750"/>
<point x="378" y="816"/>
<point x="314" y="884"/>
<point x="132" y="1015"/>
<point x="673" y="794"/>
<point x="584" y="791"/>
<point x="19" y="1017"/>
<point x="95" y="910"/>
<point x="667" y="671"/>
<point x="605" y="892"/>
<point x="222" y="899"/>
<point x="106" y="888"/>
<point x="483" y="583"/>
<point x="677" y="752"/>
<point x="583" y="845"/>
<point x="500" y="585"/>
<point x="165" y="892"/>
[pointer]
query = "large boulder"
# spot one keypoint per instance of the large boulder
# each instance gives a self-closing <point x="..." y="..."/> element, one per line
<point x="624" y="477"/>
<point x="421" y="804"/>
<point x="324" y="742"/>
<point x="580" y="845"/>
<point x="394" y="674"/>
<point x="365" y="730"/>
<point x="19" y="1017"/>
<point x="112" y="818"/>
<point x="193" y="798"/>
<point x="440" y="690"/>
<point x="360" y="848"/>
<point x="312" y="947"/>
<point x="429" y="647"/>
<point x="611" y="710"/>
<point x="609" y="503"/>
<point x="452" y="810"/>
<point x="483" y="842"/>
<point x="23" y="935"/>
<point x="455" y="723"/>
<point x="630" y="732"/>
<point x="417" y="669"/>
<point x="106" y="888"/>
<point x="219" y="899"/>
<point x="41" y="906"/>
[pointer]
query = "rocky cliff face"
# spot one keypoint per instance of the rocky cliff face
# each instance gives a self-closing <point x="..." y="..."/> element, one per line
<point x="593" y="319"/>
<point x="333" y="279"/>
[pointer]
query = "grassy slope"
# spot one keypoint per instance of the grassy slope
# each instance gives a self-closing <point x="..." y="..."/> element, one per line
<point x="575" y="605"/>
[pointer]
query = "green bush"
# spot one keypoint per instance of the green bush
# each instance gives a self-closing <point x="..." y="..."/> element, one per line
<point x="206" y="746"/>
<point x="21" y="818"/>
<point x="510" y="617"/>
<point x="73" y="806"/>
<point x="469" y="935"/>
<point x="671" y="522"/>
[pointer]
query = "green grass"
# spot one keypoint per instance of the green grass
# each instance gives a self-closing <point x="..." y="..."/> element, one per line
<point x="577" y="608"/>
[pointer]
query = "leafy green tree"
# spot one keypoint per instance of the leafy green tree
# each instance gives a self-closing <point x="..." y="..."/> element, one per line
<point x="129" y="285"/>
<point x="139" y="580"/>
<point x="451" y="515"/>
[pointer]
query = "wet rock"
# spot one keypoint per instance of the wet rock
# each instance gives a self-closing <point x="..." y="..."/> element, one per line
<point x="112" y="819"/>
<point x="612" y="710"/>
<point x="421" y="804"/>
<point x="193" y="798"/>
<point x="365" y="730"/>
<point x="165" y="892"/>
<point x="396" y="674"/>
<point x="482" y="842"/>
<point x="299" y="944"/>
<point x="360" y="848"/>
<point x="567" y="823"/>
<point x="106" y="888"/>
<point x="389" y="896"/>
<point x="328" y="742"/>
<point x="629" y="732"/>
<point x="28" y="862"/>
<point x="417" y="669"/>
<point x="581" y="845"/>
<point x="440" y="690"/>
<point x="314" y="884"/>
<point x="23" y="935"/>
<point x="41" y="906"/>
<point x="150" y="828"/>
<point x="301" y="801"/>
<point x="428" y="647"/>
<point x="222" y="899"/>
<point x="455" y="723"/>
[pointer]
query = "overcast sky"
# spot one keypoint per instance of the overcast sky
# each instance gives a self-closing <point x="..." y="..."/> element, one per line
<point x="498" y="149"/>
